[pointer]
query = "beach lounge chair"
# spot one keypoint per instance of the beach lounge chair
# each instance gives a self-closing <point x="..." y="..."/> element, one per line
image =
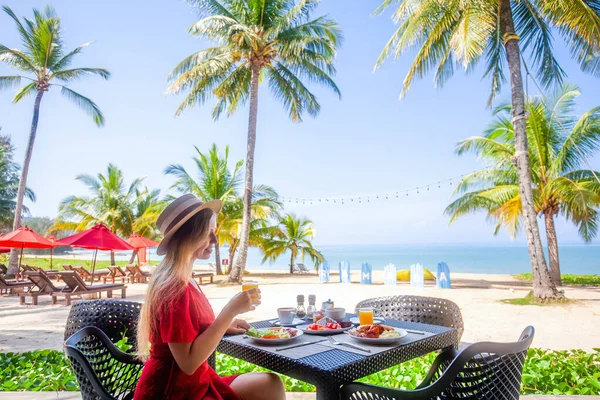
<point x="87" y="275"/>
<point x="13" y="287"/>
<point x="67" y="267"/>
<point x="200" y="275"/>
<point x="77" y="286"/>
<point x="136" y="274"/>
<point x="303" y="269"/>
<point x="480" y="371"/>
<point x="43" y="286"/>
<point x="114" y="273"/>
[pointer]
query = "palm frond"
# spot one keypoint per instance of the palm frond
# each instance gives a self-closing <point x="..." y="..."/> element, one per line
<point x="77" y="73"/>
<point x="67" y="59"/>
<point x="24" y="92"/>
<point x="7" y="82"/>
<point x="288" y="88"/>
<point x="85" y="104"/>
<point x="17" y="59"/>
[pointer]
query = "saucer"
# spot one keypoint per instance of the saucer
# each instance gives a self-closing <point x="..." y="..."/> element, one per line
<point x="296" y="321"/>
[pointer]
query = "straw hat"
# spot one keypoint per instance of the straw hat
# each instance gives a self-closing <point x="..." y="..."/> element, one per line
<point x="178" y="213"/>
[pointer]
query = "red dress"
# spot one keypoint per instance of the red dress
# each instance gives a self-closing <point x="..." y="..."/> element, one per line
<point x="182" y="322"/>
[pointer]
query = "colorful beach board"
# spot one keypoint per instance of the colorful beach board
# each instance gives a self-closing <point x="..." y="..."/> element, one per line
<point x="417" y="276"/>
<point x="324" y="272"/>
<point x="443" y="276"/>
<point x="389" y="275"/>
<point x="344" y="269"/>
<point x="366" y="274"/>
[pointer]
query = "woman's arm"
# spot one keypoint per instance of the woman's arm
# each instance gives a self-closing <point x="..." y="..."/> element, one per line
<point x="189" y="356"/>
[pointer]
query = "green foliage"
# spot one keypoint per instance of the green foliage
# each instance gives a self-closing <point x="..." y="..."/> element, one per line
<point x="567" y="279"/>
<point x="41" y="370"/>
<point x="561" y="372"/>
<point x="545" y="372"/>
<point x="531" y="300"/>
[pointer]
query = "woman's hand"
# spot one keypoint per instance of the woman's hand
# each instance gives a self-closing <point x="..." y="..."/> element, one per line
<point x="237" y="326"/>
<point x="243" y="302"/>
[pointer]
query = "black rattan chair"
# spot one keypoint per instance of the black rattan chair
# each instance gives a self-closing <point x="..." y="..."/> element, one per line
<point x="480" y="371"/>
<point x="113" y="317"/>
<point x="427" y="310"/>
<point x="102" y="370"/>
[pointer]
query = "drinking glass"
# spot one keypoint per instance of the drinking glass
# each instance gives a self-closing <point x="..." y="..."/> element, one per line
<point x="365" y="316"/>
<point x="249" y="285"/>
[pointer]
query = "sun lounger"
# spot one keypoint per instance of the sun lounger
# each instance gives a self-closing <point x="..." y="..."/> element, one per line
<point x="136" y="274"/>
<point x="200" y="275"/>
<point x="115" y="272"/>
<point x="303" y="269"/>
<point x="67" y="267"/>
<point x="76" y="287"/>
<point x="43" y="286"/>
<point x="13" y="287"/>
<point x="87" y="275"/>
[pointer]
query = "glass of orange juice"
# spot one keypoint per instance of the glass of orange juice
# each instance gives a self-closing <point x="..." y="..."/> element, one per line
<point x="365" y="316"/>
<point x="249" y="285"/>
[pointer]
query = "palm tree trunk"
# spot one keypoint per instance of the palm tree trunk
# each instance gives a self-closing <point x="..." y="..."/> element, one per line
<point x="218" y="259"/>
<point x="112" y="258"/>
<point x="292" y="259"/>
<point x="542" y="284"/>
<point x="237" y="271"/>
<point x="133" y="255"/>
<point x="553" y="249"/>
<point x="13" y="268"/>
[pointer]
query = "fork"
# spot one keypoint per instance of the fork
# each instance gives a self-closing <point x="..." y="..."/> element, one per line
<point x="336" y="343"/>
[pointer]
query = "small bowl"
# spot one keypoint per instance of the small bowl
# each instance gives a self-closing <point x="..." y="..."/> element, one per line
<point x="337" y="313"/>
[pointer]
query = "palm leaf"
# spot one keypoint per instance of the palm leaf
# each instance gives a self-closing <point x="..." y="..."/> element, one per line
<point x="85" y="104"/>
<point x="77" y="73"/>
<point x="24" y="92"/>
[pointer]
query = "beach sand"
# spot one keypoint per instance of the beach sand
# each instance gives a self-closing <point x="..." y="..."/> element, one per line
<point x="573" y="326"/>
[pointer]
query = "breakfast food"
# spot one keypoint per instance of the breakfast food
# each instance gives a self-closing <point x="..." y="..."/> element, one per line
<point x="375" y="332"/>
<point x="329" y="326"/>
<point x="272" y="333"/>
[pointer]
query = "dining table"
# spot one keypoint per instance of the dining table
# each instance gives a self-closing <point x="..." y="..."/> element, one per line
<point x="329" y="366"/>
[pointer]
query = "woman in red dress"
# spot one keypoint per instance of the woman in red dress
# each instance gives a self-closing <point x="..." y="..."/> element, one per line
<point x="177" y="325"/>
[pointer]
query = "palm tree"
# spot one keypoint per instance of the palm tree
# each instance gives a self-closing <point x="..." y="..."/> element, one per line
<point x="146" y="207"/>
<point x="560" y="185"/>
<point x="450" y="32"/>
<point x="275" y="39"/>
<point x="294" y="234"/>
<point x="45" y="59"/>
<point x="112" y="203"/>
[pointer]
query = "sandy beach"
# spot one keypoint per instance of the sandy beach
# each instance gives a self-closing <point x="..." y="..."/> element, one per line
<point x="570" y="326"/>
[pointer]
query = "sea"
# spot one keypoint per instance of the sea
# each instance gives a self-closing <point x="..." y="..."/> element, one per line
<point x="481" y="259"/>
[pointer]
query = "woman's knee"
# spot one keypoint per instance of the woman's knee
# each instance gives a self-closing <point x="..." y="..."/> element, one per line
<point x="263" y="385"/>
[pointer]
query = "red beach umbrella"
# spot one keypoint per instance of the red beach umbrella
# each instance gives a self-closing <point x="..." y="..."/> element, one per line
<point x="96" y="238"/>
<point x="24" y="238"/>
<point x="139" y="242"/>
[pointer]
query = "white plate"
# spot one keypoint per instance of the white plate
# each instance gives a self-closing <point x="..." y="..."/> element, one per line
<point x="304" y="328"/>
<point x="296" y="321"/>
<point x="274" y="341"/>
<point x="402" y="333"/>
<point x="376" y="320"/>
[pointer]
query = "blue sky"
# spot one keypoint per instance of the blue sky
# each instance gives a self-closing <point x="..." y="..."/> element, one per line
<point x="367" y="142"/>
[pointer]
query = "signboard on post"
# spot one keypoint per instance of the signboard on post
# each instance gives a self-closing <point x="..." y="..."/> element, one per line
<point x="366" y="273"/>
<point x="344" y="268"/>
<point x="443" y="276"/>
<point x="389" y="275"/>
<point x="324" y="272"/>
<point x="417" y="276"/>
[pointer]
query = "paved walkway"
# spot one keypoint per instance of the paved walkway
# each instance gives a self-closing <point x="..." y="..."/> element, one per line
<point x="290" y="396"/>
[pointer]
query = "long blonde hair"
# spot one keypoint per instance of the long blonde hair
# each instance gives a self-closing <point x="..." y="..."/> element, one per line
<point x="170" y="278"/>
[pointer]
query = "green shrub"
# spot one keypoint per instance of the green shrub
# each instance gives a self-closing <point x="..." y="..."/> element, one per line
<point x="546" y="372"/>
<point x="567" y="279"/>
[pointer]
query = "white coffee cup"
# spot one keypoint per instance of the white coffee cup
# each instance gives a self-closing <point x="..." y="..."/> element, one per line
<point x="286" y="315"/>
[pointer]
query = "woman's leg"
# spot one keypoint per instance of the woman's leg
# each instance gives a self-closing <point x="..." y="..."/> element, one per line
<point x="259" y="386"/>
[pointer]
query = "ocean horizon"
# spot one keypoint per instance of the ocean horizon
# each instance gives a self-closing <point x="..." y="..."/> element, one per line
<point x="468" y="258"/>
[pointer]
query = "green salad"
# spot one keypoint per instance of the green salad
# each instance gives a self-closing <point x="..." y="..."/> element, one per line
<point x="273" y="333"/>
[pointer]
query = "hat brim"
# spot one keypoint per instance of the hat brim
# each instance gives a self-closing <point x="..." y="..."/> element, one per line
<point x="214" y="205"/>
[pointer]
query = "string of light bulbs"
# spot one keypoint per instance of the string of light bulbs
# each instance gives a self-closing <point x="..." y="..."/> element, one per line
<point x="387" y="195"/>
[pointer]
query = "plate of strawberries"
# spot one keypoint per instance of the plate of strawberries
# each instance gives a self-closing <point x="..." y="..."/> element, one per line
<point x="377" y="334"/>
